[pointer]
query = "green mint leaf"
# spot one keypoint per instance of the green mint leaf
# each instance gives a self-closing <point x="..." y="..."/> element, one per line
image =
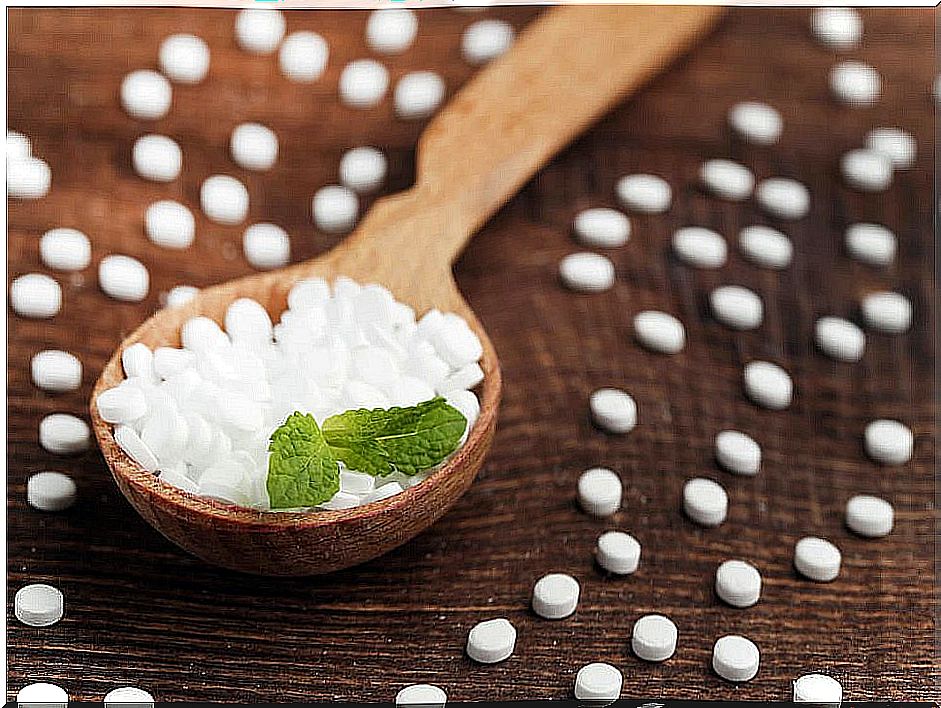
<point x="302" y="471"/>
<point x="407" y="440"/>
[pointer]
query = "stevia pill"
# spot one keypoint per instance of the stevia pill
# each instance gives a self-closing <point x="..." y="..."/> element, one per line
<point x="889" y="442"/>
<point x="18" y="145"/>
<point x="756" y="122"/>
<point x="122" y="404"/>
<point x="38" y="605"/>
<point x="601" y="227"/>
<point x="598" y="682"/>
<point x="867" y="170"/>
<point x="303" y="56"/>
<point x="855" y="84"/>
<point x="869" y="516"/>
<point x="599" y="491"/>
<point x="491" y="641"/>
<point x="699" y="247"/>
<point x="872" y="244"/>
<point x="896" y="144"/>
<point x="55" y="370"/>
<point x="768" y="385"/>
<point x="266" y="246"/>
<point x="146" y="95"/>
<point x="391" y="30"/>
<point x="659" y="332"/>
<point x="64" y="434"/>
<point x="654" y="638"/>
<point x="224" y="199"/>
<point x="618" y="552"/>
<point x="783" y="197"/>
<point x="421" y="694"/>
<point x="645" y="194"/>
<point x="727" y="179"/>
<point x="129" y="441"/>
<point x="736" y="307"/>
<point x="184" y="58"/>
<point x="735" y="658"/>
<point x="363" y="169"/>
<point x="384" y="492"/>
<point x="42" y="695"/>
<point x="839" y="28"/>
<point x="28" y="177"/>
<point x="128" y="694"/>
<point x="817" y="559"/>
<point x="818" y="688"/>
<point x="35" y="295"/>
<point x="738" y="583"/>
<point x="254" y="146"/>
<point x="169" y="224"/>
<point x="738" y="453"/>
<point x="259" y="30"/>
<point x="705" y="501"/>
<point x="839" y="339"/>
<point x="485" y="40"/>
<point x="587" y="272"/>
<point x="363" y="83"/>
<point x="887" y="312"/>
<point x="65" y="249"/>
<point x="123" y="278"/>
<point x="138" y="360"/>
<point x="418" y="94"/>
<point x="765" y="246"/>
<point x="613" y="410"/>
<point x="181" y="294"/>
<point x="555" y="596"/>
<point x="334" y="209"/>
<point x="50" y="491"/>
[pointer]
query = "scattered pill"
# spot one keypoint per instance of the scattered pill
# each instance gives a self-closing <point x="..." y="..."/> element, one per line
<point x="598" y="682"/>
<point x="254" y="147"/>
<point x="363" y="83"/>
<point x="869" y="516"/>
<point x="756" y="122"/>
<point x="839" y="339"/>
<point x="896" y="144"/>
<point x="169" y="224"/>
<point x="363" y="169"/>
<point x="391" y="30"/>
<point x="784" y="198"/>
<point x="618" y="552"/>
<point x="887" y="312"/>
<point x="738" y="453"/>
<point x="266" y="246"/>
<point x="35" y="295"/>
<point x="654" y="638"/>
<point x="872" y="244"/>
<point x="64" y="434"/>
<point x="735" y="658"/>
<point x="659" y="332"/>
<point x="258" y="30"/>
<point x="418" y="94"/>
<point x="855" y="84"/>
<point x="765" y="246"/>
<point x="736" y="307"/>
<point x="738" y="583"/>
<point x="643" y="193"/>
<point x="126" y="695"/>
<point x="421" y="694"/>
<point x="817" y="559"/>
<point x="50" y="491"/>
<point x="132" y="444"/>
<point x="817" y="688"/>
<point x="121" y="404"/>
<point x="491" y="641"/>
<point x="18" y="145"/>
<point x="699" y="247"/>
<point x="889" y="442"/>
<point x="123" y="278"/>
<point x="867" y="170"/>
<point x="485" y="40"/>
<point x="44" y="695"/>
<point x="303" y="56"/>
<point x="38" y="605"/>
<point x="727" y="179"/>
<point x="181" y="294"/>
<point x="555" y="596"/>
<point x="599" y="491"/>
<point x="334" y="209"/>
<point x="613" y="410"/>
<point x="705" y="501"/>
<point x="224" y="199"/>
<point x="146" y="95"/>
<point x="601" y="227"/>
<point x="157" y="158"/>
<point x="56" y="371"/>
<point x="184" y="58"/>
<point x="28" y="177"/>
<point x="65" y="249"/>
<point x="839" y="28"/>
<point x="587" y="272"/>
<point x="768" y="385"/>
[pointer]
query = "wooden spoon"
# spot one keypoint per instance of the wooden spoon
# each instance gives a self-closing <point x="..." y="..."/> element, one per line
<point x="566" y="69"/>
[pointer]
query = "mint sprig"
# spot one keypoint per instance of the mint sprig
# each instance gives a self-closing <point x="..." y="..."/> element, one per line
<point x="301" y="469"/>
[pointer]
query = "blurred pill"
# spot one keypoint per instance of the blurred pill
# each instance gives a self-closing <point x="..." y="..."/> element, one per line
<point x="896" y="144"/>
<point x="867" y="170"/>
<point x="18" y="145"/>
<point x="146" y="95"/>
<point x="889" y="442"/>
<point x="736" y="307"/>
<point x="872" y="244"/>
<point x="421" y="694"/>
<point x="727" y="179"/>
<point x="838" y="28"/>
<point x="334" y="209"/>
<point x="64" y="434"/>
<point x="699" y="247"/>
<point x="768" y="385"/>
<point x="659" y="332"/>
<point x="645" y="194"/>
<point x="180" y="295"/>
<point x="28" y="178"/>
<point x="35" y="295"/>
<point x="123" y="278"/>
<point x="391" y="30"/>
<point x="738" y="453"/>
<point x="855" y="84"/>
<point x="418" y="95"/>
<point x="65" y="249"/>
<point x="157" y="158"/>
<point x="765" y="246"/>
<point x="253" y="146"/>
<point x="613" y="410"/>
<point x="169" y="224"/>
<point x="55" y="370"/>
<point x="839" y="339"/>
<point x="266" y="246"/>
<point x="784" y="198"/>
<point x="128" y="695"/>
<point x="485" y="40"/>
<point x="224" y="199"/>
<point x="184" y="58"/>
<point x="363" y="169"/>
<point x="887" y="312"/>
<point x="756" y="122"/>
<point x="586" y="272"/>
<point x="705" y="501"/>
<point x="363" y="83"/>
<point x="259" y="30"/>
<point x="303" y="56"/>
<point x="601" y="227"/>
<point x="51" y="491"/>
<point x="869" y="516"/>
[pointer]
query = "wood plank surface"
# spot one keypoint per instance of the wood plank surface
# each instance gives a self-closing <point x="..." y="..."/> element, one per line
<point x="141" y="612"/>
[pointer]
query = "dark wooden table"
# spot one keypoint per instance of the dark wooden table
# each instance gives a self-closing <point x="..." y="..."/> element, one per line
<point x="141" y="612"/>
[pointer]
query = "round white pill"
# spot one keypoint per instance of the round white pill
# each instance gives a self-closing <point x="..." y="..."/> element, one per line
<point x="873" y="244"/>
<point x="737" y="307"/>
<point x="727" y="179"/>
<point x="169" y="224"/>
<point x="486" y="40"/>
<point x="765" y="246"/>
<point x="253" y="146"/>
<point x="599" y="491"/>
<point x="363" y="169"/>
<point x="659" y="332"/>
<point x="46" y="695"/>
<point x="867" y="170"/>
<point x="768" y="385"/>
<point x="65" y="249"/>
<point x="699" y="247"/>
<point x="491" y="641"/>
<point x="896" y="144"/>
<point x="56" y="371"/>
<point x="18" y="145"/>
<point x="391" y="30"/>
<point x="266" y="246"/>
<point x="259" y="30"/>
<point x="817" y="688"/>
<point x="123" y="278"/>
<point x="587" y="272"/>
<point x="869" y="516"/>
<point x="35" y="295"/>
<point x="38" y="605"/>
<point x="654" y="638"/>
<point x="184" y="58"/>
<point x="738" y="453"/>
<point x="127" y="694"/>
<point x="618" y="552"/>
<point x="421" y="694"/>
<point x="889" y="442"/>
<point x="839" y="339"/>
<point x="887" y="312"/>
<point x="601" y="227"/>
<point x="418" y="94"/>
<point x="598" y="682"/>
<point x="738" y="583"/>
<point x="735" y="658"/>
<point x="146" y="95"/>
<point x="121" y="404"/>
<point x="363" y="83"/>
<point x="839" y="28"/>
<point x="64" y="434"/>
<point x="855" y="84"/>
<point x="756" y="122"/>
<point x="817" y="559"/>
<point x="613" y="410"/>
<point x="555" y="596"/>
<point x="303" y="56"/>
<point x="157" y="158"/>
<point x="28" y="177"/>
<point x="645" y="194"/>
<point x="180" y="295"/>
<point x="334" y="209"/>
<point x="784" y="198"/>
<point x="705" y="501"/>
<point x="50" y="491"/>
<point x="224" y="199"/>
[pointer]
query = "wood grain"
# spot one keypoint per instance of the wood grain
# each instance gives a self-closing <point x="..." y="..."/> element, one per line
<point x="139" y="611"/>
